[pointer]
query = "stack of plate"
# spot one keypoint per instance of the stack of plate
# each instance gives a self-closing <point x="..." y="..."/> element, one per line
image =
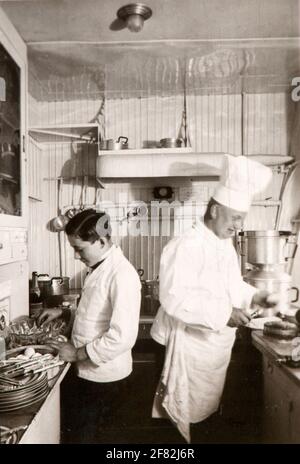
<point x="281" y="330"/>
<point x="28" y="390"/>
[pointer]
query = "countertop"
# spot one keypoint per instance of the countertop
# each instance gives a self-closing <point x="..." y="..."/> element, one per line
<point x="275" y="349"/>
<point x="27" y="416"/>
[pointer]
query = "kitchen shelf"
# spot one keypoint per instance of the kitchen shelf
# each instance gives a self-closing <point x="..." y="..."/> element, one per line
<point x="65" y="132"/>
<point x="146" y="151"/>
<point x="166" y="162"/>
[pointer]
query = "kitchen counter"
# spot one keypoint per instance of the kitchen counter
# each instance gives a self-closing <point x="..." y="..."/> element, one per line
<point x="275" y="350"/>
<point x="42" y="419"/>
<point x="281" y="391"/>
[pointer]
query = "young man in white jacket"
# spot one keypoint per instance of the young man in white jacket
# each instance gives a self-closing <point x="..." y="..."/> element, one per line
<point x="204" y="298"/>
<point x="106" y="321"/>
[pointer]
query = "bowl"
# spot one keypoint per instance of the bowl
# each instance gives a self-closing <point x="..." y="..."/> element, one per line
<point x="26" y="332"/>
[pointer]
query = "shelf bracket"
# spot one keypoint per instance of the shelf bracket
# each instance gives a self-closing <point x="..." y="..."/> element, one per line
<point x="100" y="183"/>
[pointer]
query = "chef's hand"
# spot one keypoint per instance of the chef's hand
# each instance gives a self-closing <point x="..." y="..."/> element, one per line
<point x="238" y="317"/>
<point x="265" y="299"/>
<point x="48" y="315"/>
<point x="68" y="352"/>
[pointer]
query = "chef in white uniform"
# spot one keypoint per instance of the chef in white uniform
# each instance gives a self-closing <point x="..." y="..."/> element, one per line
<point x="106" y="321"/>
<point x="204" y="298"/>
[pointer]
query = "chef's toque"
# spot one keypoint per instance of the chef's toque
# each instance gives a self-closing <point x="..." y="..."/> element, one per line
<point x="241" y="179"/>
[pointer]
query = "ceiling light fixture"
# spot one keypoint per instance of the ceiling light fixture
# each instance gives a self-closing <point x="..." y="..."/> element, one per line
<point x="134" y="15"/>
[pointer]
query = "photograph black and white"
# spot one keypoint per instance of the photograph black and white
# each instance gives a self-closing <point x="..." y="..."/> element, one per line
<point x="149" y="224"/>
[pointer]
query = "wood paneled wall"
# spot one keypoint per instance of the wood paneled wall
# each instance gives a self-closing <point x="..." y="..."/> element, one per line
<point x="214" y="124"/>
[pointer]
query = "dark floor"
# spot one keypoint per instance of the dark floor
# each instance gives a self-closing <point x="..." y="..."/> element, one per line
<point x="238" y="420"/>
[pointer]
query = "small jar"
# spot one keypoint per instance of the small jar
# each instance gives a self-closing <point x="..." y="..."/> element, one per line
<point x="71" y="300"/>
<point x="65" y="305"/>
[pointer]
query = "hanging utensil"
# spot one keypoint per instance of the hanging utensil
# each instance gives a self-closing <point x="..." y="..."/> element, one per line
<point x="85" y="187"/>
<point x="60" y="221"/>
<point x="72" y="211"/>
<point x="81" y="195"/>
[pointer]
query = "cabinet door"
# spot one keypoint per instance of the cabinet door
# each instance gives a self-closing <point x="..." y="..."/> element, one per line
<point x="294" y="408"/>
<point x="277" y="406"/>
<point x="295" y="421"/>
<point x="5" y="247"/>
<point x="13" y="89"/>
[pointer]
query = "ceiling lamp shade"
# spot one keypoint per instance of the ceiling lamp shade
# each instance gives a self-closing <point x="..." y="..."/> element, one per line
<point x="134" y="15"/>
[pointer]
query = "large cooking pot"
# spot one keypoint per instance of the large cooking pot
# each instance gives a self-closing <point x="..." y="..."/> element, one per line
<point x="54" y="286"/>
<point x="110" y="144"/>
<point x="260" y="247"/>
<point x="274" y="281"/>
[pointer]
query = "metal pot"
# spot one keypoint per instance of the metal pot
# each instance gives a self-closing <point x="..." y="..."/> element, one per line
<point x="265" y="246"/>
<point x="171" y="143"/>
<point x="110" y="144"/>
<point x="274" y="282"/>
<point x="59" y="285"/>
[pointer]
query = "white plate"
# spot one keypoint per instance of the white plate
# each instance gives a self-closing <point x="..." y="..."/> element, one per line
<point x="258" y="322"/>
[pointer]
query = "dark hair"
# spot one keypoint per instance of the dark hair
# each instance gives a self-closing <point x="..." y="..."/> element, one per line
<point x="212" y="202"/>
<point x="89" y="225"/>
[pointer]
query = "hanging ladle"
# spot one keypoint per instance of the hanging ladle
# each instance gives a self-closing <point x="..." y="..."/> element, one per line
<point x="72" y="211"/>
<point x="60" y="221"/>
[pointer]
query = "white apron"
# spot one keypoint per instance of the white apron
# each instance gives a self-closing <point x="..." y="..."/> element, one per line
<point x="200" y="282"/>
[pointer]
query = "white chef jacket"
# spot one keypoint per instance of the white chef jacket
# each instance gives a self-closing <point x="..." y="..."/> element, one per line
<point x="200" y="283"/>
<point x="107" y="319"/>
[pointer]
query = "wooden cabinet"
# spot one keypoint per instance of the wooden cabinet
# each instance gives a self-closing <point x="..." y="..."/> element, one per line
<point x="241" y="402"/>
<point x="13" y="245"/>
<point x="281" y="413"/>
<point x="13" y="130"/>
<point x="294" y="419"/>
<point x="13" y="172"/>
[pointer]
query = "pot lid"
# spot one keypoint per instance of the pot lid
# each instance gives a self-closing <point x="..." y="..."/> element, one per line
<point x="44" y="278"/>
